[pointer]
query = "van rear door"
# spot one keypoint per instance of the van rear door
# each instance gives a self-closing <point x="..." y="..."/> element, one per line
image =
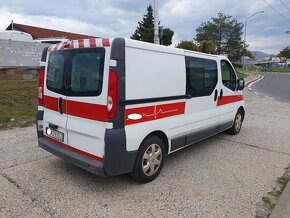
<point x="76" y="99"/>
<point x="87" y="100"/>
<point x="55" y="117"/>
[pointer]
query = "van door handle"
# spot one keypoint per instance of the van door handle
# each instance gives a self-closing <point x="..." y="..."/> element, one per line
<point x="215" y="95"/>
<point x="60" y="106"/>
<point x="53" y="126"/>
<point x="221" y="94"/>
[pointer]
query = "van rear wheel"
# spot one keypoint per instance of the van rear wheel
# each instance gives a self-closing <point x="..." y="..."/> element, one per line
<point x="149" y="160"/>
<point x="237" y="125"/>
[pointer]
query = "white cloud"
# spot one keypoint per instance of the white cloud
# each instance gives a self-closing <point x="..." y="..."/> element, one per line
<point x="112" y="18"/>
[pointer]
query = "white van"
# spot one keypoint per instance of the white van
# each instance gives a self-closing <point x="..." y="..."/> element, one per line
<point x="115" y="106"/>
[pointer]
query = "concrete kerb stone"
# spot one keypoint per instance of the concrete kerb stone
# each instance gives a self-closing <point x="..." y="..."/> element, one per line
<point x="282" y="208"/>
<point x="252" y="78"/>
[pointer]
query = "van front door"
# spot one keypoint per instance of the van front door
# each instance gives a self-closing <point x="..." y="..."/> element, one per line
<point x="227" y="95"/>
<point x="201" y="112"/>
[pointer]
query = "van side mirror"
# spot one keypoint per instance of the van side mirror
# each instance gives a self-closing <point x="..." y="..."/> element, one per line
<point x="241" y="84"/>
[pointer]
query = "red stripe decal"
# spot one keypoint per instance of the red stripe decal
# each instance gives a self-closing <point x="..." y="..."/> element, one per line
<point x="75" y="149"/>
<point x="81" y="43"/>
<point x="51" y="103"/>
<point x="106" y="42"/>
<point x="154" y="112"/>
<point x="229" y="99"/>
<point x="87" y="110"/>
<point x="93" y="43"/>
<point x="79" y="109"/>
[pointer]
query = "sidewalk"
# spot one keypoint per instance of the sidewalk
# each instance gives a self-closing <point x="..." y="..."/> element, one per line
<point x="282" y="208"/>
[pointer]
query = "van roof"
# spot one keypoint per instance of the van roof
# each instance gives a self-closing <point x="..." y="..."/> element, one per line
<point x="82" y="43"/>
<point x="107" y="42"/>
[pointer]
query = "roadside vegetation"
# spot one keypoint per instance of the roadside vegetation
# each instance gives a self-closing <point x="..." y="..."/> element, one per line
<point x="265" y="208"/>
<point x="260" y="69"/>
<point x="18" y="103"/>
<point x="240" y="74"/>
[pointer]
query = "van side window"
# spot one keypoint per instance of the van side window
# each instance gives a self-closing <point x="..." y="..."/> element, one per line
<point x="228" y="75"/>
<point x="55" y="72"/>
<point x="201" y="76"/>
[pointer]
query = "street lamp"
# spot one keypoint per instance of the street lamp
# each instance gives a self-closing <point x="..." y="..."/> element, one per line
<point x="245" y="34"/>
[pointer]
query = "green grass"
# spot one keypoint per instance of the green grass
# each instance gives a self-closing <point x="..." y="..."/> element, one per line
<point x="18" y="103"/>
<point x="276" y="70"/>
<point x="240" y="74"/>
<point x="257" y="69"/>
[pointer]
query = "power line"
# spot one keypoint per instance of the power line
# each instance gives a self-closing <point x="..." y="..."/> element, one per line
<point x="284" y="5"/>
<point x="276" y="11"/>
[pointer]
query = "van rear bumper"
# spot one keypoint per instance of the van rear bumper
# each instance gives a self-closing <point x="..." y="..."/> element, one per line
<point x="86" y="163"/>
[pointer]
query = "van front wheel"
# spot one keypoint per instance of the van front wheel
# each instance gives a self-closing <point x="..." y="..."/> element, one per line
<point x="149" y="160"/>
<point x="237" y="125"/>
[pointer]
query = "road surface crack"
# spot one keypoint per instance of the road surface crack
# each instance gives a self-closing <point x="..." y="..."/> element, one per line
<point x="26" y="162"/>
<point x="38" y="201"/>
<point x="271" y="116"/>
<point x="254" y="146"/>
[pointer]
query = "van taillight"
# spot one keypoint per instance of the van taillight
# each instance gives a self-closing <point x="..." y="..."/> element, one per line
<point x="112" y="94"/>
<point x="41" y="87"/>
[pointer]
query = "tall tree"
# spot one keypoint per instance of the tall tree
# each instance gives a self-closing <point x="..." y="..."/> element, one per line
<point x="207" y="46"/>
<point x="285" y="53"/>
<point x="188" y="45"/>
<point x="249" y="54"/>
<point x="225" y="32"/>
<point x="145" y="30"/>
<point x="167" y="36"/>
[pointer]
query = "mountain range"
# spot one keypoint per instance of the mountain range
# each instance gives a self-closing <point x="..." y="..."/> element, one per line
<point x="262" y="55"/>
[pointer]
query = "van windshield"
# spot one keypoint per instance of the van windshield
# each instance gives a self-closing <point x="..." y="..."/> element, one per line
<point x="77" y="72"/>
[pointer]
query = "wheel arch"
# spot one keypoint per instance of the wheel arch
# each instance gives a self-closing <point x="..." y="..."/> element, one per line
<point x="242" y="109"/>
<point x="160" y="134"/>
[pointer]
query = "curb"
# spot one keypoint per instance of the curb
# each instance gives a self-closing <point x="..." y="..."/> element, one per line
<point x="282" y="208"/>
<point x="253" y="80"/>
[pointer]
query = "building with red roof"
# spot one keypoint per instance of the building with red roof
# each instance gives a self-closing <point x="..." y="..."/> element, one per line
<point x="39" y="32"/>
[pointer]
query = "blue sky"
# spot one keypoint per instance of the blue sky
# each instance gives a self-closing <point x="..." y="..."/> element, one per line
<point x="118" y="18"/>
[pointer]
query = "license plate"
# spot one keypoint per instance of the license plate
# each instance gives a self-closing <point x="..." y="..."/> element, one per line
<point x="55" y="134"/>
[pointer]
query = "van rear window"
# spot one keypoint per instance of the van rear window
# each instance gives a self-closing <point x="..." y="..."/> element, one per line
<point x="86" y="75"/>
<point x="76" y="72"/>
<point x="55" y="73"/>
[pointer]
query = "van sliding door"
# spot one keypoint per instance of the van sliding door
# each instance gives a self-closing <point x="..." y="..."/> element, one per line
<point x="201" y="112"/>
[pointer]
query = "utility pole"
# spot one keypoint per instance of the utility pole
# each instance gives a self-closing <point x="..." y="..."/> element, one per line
<point x="156" y="23"/>
<point x="245" y="35"/>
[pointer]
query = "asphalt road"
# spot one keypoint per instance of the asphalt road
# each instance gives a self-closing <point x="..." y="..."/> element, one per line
<point x="274" y="85"/>
<point x="224" y="176"/>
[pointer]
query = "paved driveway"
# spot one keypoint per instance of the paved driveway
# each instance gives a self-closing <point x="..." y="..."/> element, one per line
<point x="224" y="176"/>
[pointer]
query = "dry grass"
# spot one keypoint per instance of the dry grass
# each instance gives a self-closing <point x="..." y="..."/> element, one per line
<point x="18" y="102"/>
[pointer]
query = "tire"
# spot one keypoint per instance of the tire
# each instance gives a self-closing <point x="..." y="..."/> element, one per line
<point x="149" y="160"/>
<point x="237" y="125"/>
